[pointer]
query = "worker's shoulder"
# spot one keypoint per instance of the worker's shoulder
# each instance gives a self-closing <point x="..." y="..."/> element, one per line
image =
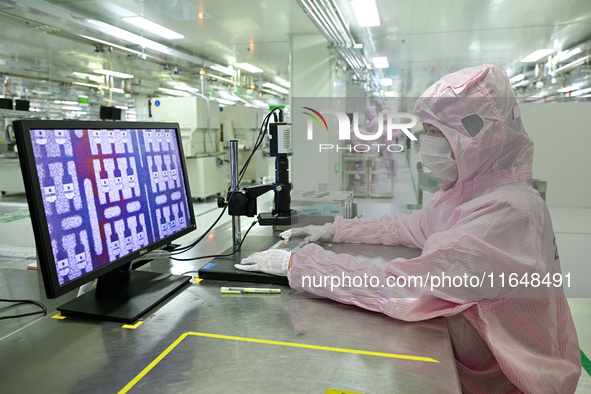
<point x="513" y="197"/>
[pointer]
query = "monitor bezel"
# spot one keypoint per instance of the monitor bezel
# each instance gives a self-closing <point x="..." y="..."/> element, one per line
<point x="45" y="257"/>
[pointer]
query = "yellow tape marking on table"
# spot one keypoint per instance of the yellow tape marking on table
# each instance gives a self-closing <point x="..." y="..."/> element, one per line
<point x="268" y="342"/>
<point x="333" y="391"/>
<point x="133" y="326"/>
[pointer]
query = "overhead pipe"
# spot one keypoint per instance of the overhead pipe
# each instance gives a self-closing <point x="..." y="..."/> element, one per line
<point x="325" y="30"/>
<point x="345" y="34"/>
<point x="342" y="21"/>
<point x="331" y="23"/>
<point x="327" y="17"/>
<point x="349" y="61"/>
<point x="355" y="62"/>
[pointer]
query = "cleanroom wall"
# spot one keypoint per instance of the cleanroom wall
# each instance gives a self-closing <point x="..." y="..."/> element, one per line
<point x="562" y="138"/>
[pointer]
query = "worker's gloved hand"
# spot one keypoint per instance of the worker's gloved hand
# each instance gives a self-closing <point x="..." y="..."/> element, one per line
<point x="274" y="262"/>
<point x="323" y="233"/>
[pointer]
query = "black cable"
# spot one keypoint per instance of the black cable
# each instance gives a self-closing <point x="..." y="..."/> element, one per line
<point x="7" y="133"/>
<point x="258" y="142"/>
<point x="22" y="302"/>
<point x="260" y="137"/>
<point x="217" y="255"/>
<point x="12" y="306"/>
<point x="182" y="249"/>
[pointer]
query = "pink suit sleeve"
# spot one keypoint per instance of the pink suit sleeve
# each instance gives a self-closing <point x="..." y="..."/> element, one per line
<point x="404" y="303"/>
<point x="455" y="253"/>
<point x="403" y="229"/>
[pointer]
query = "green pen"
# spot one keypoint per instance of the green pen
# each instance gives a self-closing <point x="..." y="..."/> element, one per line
<point x="248" y="290"/>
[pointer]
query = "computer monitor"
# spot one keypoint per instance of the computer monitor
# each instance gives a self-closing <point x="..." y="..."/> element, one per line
<point x="21" y="105"/>
<point x="101" y="195"/>
<point x="110" y="113"/>
<point x="6" y="103"/>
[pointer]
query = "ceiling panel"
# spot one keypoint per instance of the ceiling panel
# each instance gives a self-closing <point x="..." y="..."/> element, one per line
<point x="423" y="39"/>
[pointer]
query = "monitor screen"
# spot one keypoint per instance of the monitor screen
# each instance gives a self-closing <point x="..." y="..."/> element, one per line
<point x="110" y="113"/>
<point x="101" y="195"/>
<point x="5" y="103"/>
<point x="21" y="105"/>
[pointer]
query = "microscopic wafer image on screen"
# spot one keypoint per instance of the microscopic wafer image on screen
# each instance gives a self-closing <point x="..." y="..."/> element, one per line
<point x="108" y="192"/>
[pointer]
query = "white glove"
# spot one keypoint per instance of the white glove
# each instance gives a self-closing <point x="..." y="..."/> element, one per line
<point x="323" y="233"/>
<point x="274" y="262"/>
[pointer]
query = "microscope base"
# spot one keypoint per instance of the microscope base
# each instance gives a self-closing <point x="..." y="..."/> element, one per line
<point x="222" y="268"/>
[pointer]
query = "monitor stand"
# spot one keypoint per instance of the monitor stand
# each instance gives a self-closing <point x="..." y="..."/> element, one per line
<point x="222" y="268"/>
<point x="124" y="295"/>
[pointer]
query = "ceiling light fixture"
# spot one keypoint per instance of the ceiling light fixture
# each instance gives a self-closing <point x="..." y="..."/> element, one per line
<point x="88" y="85"/>
<point x="127" y="36"/>
<point x="520" y="84"/>
<point x="517" y="78"/>
<point x="569" y="88"/>
<point x="536" y="55"/>
<point x="65" y="102"/>
<point x="380" y="62"/>
<point x="275" y="88"/>
<point x="249" y="67"/>
<point x="114" y="45"/>
<point x="386" y="81"/>
<point x="217" y="77"/>
<point x="121" y="34"/>
<point x="562" y="56"/>
<point x="117" y="90"/>
<point x="186" y="88"/>
<point x="174" y="92"/>
<point x="533" y="98"/>
<point x="228" y="96"/>
<point x="93" y="78"/>
<point x="366" y="12"/>
<point x="224" y="70"/>
<point x="260" y="104"/>
<point x="580" y="92"/>
<point x="571" y="64"/>
<point x="115" y="74"/>
<point x="225" y="101"/>
<point x="153" y="27"/>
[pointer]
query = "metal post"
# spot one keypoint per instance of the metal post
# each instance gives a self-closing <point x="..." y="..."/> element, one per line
<point x="234" y="177"/>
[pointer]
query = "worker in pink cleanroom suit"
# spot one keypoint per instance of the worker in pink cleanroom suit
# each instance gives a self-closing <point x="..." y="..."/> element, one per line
<point x="485" y="220"/>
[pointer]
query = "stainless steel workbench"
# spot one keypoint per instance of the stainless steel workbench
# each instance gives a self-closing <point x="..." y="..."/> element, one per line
<point x="201" y="341"/>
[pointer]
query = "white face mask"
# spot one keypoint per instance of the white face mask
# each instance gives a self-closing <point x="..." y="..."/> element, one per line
<point x="436" y="156"/>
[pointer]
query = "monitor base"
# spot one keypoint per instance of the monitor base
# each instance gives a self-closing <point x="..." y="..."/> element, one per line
<point x="145" y="291"/>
